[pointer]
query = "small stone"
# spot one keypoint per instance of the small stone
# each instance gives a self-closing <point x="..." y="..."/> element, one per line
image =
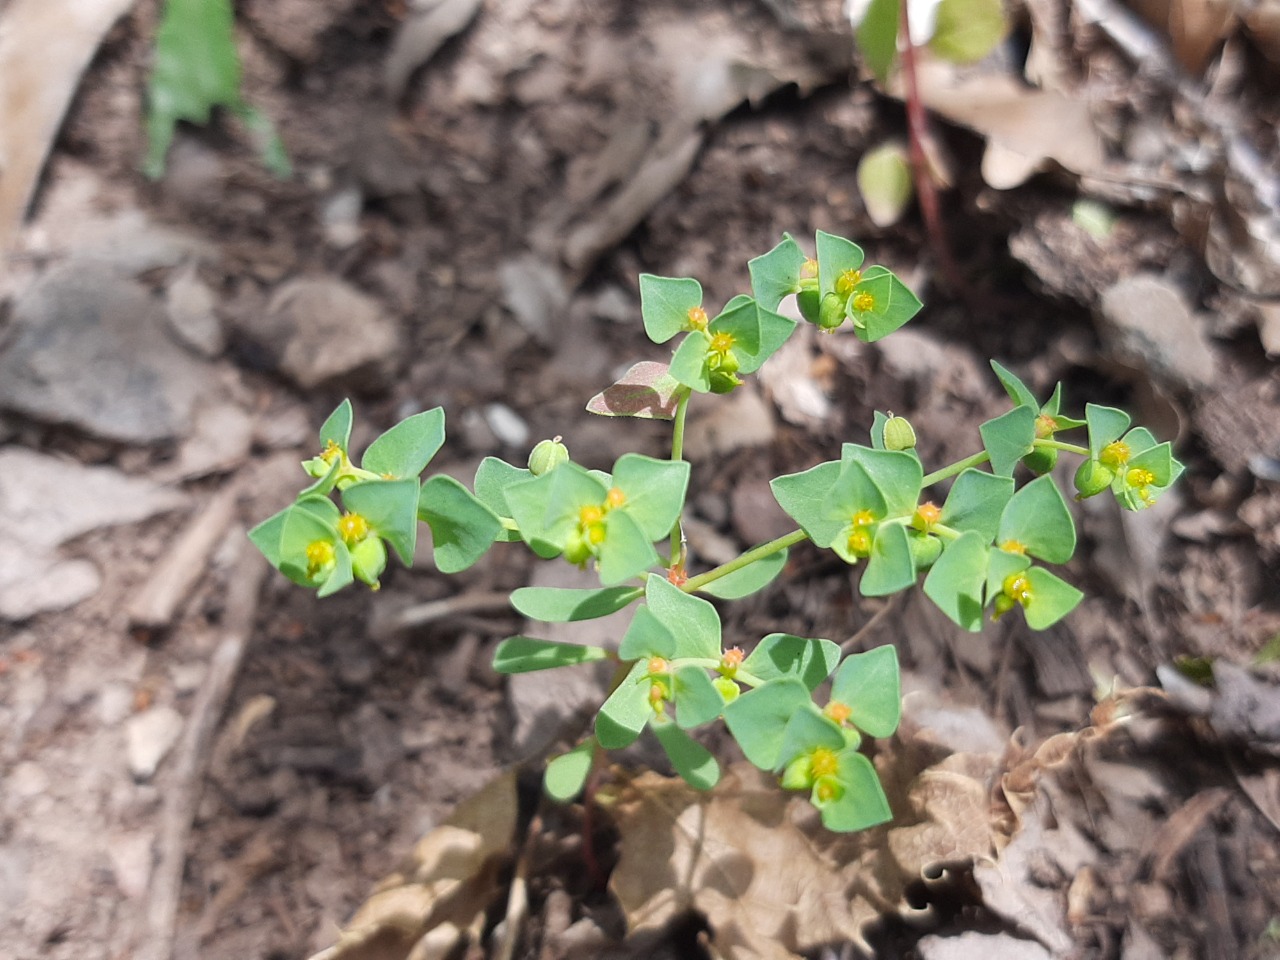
<point x="27" y="779"/>
<point x="340" y="217"/>
<point x="507" y="425"/>
<point x="44" y="589"/>
<point x="1147" y="323"/>
<point x="114" y="702"/>
<point x="333" y="331"/>
<point x="91" y="349"/>
<point x="149" y="736"/>
<point x="192" y="317"/>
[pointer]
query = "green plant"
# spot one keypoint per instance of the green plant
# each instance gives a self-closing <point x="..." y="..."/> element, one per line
<point x="982" y="549"/>
<point x="196" y="69"/>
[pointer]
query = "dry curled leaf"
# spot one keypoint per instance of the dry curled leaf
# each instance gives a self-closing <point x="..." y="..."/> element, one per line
<point x="449" y="880"/>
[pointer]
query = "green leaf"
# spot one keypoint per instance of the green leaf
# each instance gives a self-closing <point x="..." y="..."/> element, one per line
<point x="878" y="37"/>
<point x="1008" y="438"/>
<point x="1159" y="460"/>
<point x="836" y="257"/>
<point x="526" y="654"/>
<point x="748" y="580"/>
<point x="891" y="566"/>
<point x="647" y="391"/>
<point x="893" y="305"/>
<point x="776" y="274"/>
<point x="266" y="536"/>
<point x="807" y="730"/>
<point x="957" y="578"/>
<point x="391" y="509"/>
<point x="758" y="718"/>
<point x="546" y="508"/>
<point x="323" y="485"/>
<point x="774" y="331"/>
<point x="337" y="428"/>
<point x="266" y="138"/>
<point x="493" y="476"/>
<point x="1038" y="518"/>
<point x="567" y="774"/>
<point x="862" y="802"/>
<point x="1015" y="388"/>
<point x="462" y="527"/>
<point x="1052" y="599"/>
<point x="646" y="637"/>
<point x="884" y="180"/>
<point x="740" y="319"/>
<point x="566" y="605"/>
<point x="626" y="551"/>
<point x="689" y="362"/>
<point x="697" y="699"/>
<point x="655" y="491"/>
<point x="665" y="303"/>
<point x="895" y="473"/>
<point x="853" y="492"/>
<point x="803" y="496"/>
<point x="195" y="68"/>
<point x="809" y="660"/>
<point x="407" y="448"/>
<point x="965" y="31"/>
<point x="300" y="529"/>
<point x="627" y="710"/>
<point x="976" y="502"/>
<point x="869" y="685"/>
<point x="692" y="620"/>
<point x="691" y="759"/>
<point x="1000" y="566"/>
<point x="1106" y="424"/>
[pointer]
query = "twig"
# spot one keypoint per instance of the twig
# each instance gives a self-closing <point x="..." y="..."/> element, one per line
<point x="423" y="613"/>
<point x="193" y="756"/>
<point x="174" y="575"/>
<point x="518" y="897"/>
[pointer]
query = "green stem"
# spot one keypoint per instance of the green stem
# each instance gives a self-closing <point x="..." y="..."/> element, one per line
<point x="950" y="471"/>
<point x="1059" y="445"/>
<point x="677" y="453"/>
<point x="748" y="558"/>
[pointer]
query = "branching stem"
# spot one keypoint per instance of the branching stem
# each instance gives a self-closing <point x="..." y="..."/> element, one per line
<point x="748" y="558"/>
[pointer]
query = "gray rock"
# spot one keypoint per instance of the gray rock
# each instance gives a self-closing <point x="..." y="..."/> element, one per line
<point x="1147" y="324"/>
<point x="191" y="313"/>
<point x="90" y="349"/>
<point x="149" y="736"/>
<point x="48" y="502"/>
<point x="333" y="331"/>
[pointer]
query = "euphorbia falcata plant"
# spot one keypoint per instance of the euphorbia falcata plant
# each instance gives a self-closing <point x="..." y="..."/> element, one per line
<point x="795" y="705"/>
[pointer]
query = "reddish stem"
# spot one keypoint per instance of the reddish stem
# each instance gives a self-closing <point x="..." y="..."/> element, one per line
<point x="926" y="189"/>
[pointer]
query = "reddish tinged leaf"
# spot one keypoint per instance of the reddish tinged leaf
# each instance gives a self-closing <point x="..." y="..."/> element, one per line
<point x="647" y="391"/>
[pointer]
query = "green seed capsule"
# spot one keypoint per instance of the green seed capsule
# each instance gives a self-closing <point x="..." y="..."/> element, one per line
<point x="1092" y="478"/>
<point x="925" y="549"/>
<point x="831" y="313"/>
<point x="546" y="456"/>
<point x="807" y="301"/>
<point x="899" y="434"/>
<point x="727" y="688"/>
<point x="1041" y="462"/>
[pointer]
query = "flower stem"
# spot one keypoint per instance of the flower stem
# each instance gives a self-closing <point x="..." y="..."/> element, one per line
<point x="677" y="453"/>
<point x="748" y="558"/>
<point x="953" y="469"/>
<point x="1059" y="445"/>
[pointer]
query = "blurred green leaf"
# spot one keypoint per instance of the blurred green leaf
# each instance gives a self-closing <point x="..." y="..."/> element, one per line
<point x="567" y="774"/>
<point x="878" y="37"/>
<point x="965" y="31"/>
<point x="884" y="180"/>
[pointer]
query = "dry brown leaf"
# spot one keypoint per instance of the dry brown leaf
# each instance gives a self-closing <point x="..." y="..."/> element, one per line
<point x="449" y="880"/>
<point x="1024" y="126"/>
<point x="1195" y="28"/>
<point x="45" y="46"/>
<point x="771" y="882"/>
